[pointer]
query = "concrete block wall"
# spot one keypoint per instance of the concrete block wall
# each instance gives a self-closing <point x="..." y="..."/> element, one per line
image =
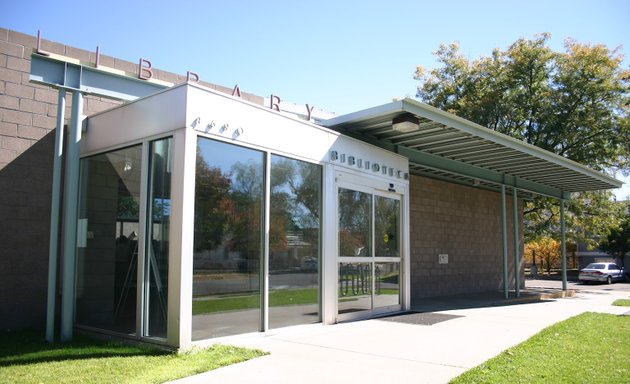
<point x="28" y="116"/>
<point x="464" y="223"/>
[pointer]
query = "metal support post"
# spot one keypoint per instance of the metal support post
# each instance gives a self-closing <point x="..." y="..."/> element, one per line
<point x="517" y="264"/>
<point x="506" y="287"/>
<point x="70" y="219"/>
<point x="563" y="245"/>
<point x="53" y="254"/>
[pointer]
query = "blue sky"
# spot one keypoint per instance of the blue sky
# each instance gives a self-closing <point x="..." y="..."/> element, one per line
<point x="340" y="56"/>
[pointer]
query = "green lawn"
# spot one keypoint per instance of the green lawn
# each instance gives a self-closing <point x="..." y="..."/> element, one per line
<point x="276" y="298"/>
<point x="622" y="303"/>
<point x="26" y="358"/>
<point x="589" y="348"/>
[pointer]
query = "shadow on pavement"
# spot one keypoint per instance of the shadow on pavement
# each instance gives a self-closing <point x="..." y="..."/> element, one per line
<point x="488" y="299"/>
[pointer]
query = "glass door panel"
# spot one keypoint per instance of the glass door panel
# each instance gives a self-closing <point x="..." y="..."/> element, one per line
<point x="386" y="226"/>
<point x="355" y="287"/>
<point x="369" y="262"/>
<point x="387" y="284"/>
<point x="355" y="223"/>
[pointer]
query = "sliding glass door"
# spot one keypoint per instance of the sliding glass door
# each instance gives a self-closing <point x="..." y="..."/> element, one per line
<point x="369" y="258"/>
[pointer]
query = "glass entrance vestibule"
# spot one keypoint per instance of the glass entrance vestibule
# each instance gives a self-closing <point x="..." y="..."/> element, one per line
<point x="202" y="215"/>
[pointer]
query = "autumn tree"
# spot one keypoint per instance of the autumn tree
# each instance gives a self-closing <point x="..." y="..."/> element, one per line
<point x="544" y="252"/>
<point x="573" y="103"/>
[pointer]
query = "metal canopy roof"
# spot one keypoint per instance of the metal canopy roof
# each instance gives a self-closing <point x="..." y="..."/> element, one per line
<point x="448" y="147"/>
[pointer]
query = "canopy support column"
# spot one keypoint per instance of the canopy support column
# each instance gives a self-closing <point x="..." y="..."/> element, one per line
<point x="506" y="287"/>
<point x="517" y="263"/>
<point x="70" y="219"/>
<point x="53" y="254"/>
<point x="563" y="245"/>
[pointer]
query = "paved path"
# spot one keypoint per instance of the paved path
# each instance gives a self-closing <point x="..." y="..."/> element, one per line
<point x="378" y="351"/>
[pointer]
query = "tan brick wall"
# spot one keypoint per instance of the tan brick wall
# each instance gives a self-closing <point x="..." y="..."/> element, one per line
<point x="465" y="223"/>
<point x="28" y="117"/>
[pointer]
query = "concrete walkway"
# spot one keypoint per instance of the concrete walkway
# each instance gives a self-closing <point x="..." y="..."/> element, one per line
<point x="473" y="329"/>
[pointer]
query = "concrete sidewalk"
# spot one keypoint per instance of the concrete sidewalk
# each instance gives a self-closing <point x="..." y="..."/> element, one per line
<point x="466" y="331"/>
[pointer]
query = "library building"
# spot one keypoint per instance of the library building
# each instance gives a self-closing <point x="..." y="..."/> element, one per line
<point x="172" y="211"/>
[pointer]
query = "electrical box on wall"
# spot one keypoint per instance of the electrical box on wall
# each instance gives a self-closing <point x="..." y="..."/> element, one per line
<point x="443" y="258"/>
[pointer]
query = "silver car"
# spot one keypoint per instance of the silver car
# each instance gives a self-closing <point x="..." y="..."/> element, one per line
<point x="601" y="272"/>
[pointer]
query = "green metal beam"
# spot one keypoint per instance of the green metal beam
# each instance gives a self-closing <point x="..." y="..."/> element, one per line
<point x="61" y="72"/>
<point x="70" y="217"/>
<point x="506" y="287"/>
<point x="563" y="245"/>
<point x="453" y="166"/>
<point x="517" y="263"/>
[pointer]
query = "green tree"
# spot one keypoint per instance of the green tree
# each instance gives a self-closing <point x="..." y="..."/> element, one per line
<point x="573" y="103"/>
<point x="212" y="200"/>
<point x="617" y="243"/>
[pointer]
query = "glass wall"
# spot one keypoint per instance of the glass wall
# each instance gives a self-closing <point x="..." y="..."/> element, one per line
<point x="228" y="241"/>
<point x="158" y="229"/>
<point x="107" y="263"/>
<point x="294" y="242"/>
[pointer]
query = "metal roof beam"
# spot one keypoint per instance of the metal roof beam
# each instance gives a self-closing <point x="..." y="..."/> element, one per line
<point x="77" y="76"/>
<point x="475" y="172"/>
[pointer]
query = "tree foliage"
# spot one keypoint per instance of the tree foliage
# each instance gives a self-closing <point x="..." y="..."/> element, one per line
<point x="617" y="243"/>
<point x="573" y="103"/>
<point x="544" y="252"/>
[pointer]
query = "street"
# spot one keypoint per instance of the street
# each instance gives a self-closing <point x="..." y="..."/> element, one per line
<point x="619" y="287"/>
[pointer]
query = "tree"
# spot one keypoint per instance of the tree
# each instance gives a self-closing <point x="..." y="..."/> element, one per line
<point x="544" y="252"/>
<point x="573" y="103"/>
<point x="617" y="243"/>
<point x="212" y="194"/>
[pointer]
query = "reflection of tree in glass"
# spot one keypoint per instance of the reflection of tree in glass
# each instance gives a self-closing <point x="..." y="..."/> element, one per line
<point x="244" y="222"/>
<point x="355" y="214"/>
<point x="128" y="207"/>
<point x="295" y="201"/>
<point x="212" y="198"/>
<point x="386" y="226"/>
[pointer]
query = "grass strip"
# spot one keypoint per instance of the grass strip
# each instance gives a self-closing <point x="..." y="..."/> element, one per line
<point x="278" y="298"/>
<point x="26" y="358"/>
<point x="622" y="302"/>
<point x="589" y="348"/>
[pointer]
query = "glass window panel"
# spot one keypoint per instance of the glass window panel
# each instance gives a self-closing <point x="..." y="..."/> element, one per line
<point x="294" y="238"/>
<point x="228" y="239"/>
<point x="355" y="287"/>
<point x="355" y="223"/>
<point x="159" y="214"/>
<point x="386" y="225"/>
<point x="106" y="267"/>
<point x="387" y="284"/>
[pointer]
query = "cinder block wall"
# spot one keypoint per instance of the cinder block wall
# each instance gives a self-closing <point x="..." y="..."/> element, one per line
<point x="465" y="223"/>
<point x="28" y="116"/>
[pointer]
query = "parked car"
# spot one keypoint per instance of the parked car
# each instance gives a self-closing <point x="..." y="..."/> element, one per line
<point x="601" y="272"/>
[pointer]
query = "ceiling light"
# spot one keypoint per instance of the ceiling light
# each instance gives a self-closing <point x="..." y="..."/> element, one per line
<point x="405" y="123"/>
